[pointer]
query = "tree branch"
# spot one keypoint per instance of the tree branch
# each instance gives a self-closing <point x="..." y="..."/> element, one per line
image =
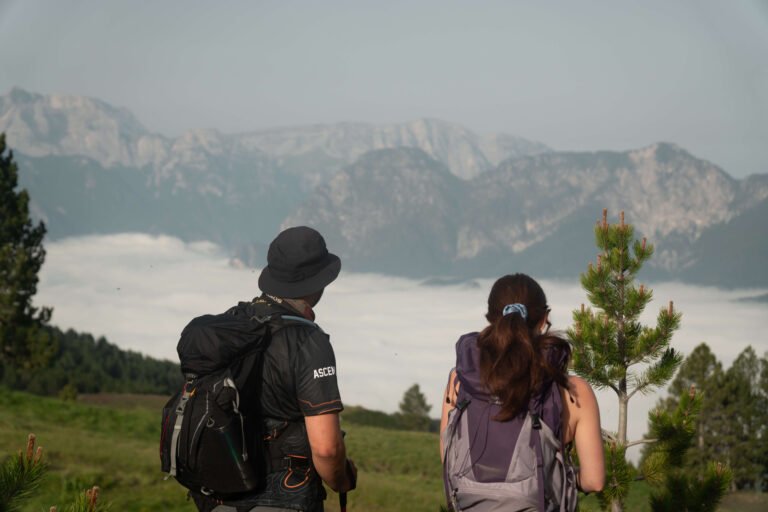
<point x="638" y="388"/>
<point x="641" y="441"/>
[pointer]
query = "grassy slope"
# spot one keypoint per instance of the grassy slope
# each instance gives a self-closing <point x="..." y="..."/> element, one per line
<point x="112" y="442"/>
<point x="85" y="445"/>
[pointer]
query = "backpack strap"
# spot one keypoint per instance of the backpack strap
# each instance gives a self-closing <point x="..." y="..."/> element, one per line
<point x="298" y="319"/>
<point x="536" y="438"/>
<point x="450" y="432"/>
<point x="185" y="394"/>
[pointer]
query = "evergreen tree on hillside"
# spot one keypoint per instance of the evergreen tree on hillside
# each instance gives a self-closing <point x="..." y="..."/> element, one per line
<point x="742" y="439"/>
<point x="674" y="488"/>
<point x="84" y="364"/>
<point x="702" y="371"/>
<point x="731" y="425"/>
<point x="23" y="345"/>
<point x="609" y="341"/>
<point x="414" y="409"/>
<point x="699" y="369"/>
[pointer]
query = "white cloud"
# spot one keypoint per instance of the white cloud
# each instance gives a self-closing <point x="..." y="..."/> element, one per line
<point x="139" y="291"/>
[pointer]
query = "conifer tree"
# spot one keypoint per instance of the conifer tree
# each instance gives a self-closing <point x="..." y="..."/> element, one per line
<point x="21" y="476"/>
<point x="743" y="441"/>
<point x="704" y="372"/>
<point x="674" y="487"/>
<point x="23" y="345"/>
<point x="414" y="409"/>
<point x="612" y="349"/>
<point x="730" y="427"/>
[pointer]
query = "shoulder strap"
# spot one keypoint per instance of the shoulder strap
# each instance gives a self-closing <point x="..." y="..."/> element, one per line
<point x="536" y="438"/>
<point x="299" y="320"/>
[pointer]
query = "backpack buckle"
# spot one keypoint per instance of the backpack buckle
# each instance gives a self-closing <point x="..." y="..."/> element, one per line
<point x="536" y="421"/>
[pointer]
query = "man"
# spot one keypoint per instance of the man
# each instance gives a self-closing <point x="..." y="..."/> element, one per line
<point x="299" y="395"/>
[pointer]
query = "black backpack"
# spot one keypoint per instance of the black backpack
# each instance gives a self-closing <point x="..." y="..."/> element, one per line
<point x="211" y="436"/>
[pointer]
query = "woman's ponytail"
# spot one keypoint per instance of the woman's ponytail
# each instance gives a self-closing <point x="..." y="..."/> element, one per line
<point x="515" y="358"/>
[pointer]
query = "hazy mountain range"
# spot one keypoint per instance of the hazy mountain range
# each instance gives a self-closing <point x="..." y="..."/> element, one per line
<point x="424" y="198"/>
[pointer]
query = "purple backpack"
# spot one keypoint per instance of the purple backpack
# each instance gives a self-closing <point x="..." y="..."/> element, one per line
<point x="513" y="466"/>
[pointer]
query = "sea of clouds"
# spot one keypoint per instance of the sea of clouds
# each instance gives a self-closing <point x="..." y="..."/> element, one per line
<point x="139" y="291"/>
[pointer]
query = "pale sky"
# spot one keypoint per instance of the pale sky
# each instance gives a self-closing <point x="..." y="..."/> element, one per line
<point x="576" y="75"/>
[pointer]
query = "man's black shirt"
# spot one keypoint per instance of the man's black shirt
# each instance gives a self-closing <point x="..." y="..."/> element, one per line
<point x="299" y="373"/>
<point x="298" y="379"/>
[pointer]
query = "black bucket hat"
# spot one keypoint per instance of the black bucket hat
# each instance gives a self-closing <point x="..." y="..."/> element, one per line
<point x="298" y="264"/>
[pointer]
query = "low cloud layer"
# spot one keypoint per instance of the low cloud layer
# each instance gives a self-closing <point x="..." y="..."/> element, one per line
<point x="139" y="291"/>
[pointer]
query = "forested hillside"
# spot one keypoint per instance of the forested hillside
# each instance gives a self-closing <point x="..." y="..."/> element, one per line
<point x="84" y="364"/>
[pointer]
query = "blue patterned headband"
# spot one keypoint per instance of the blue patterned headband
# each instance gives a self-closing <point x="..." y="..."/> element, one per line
<point x="515" y="308"/>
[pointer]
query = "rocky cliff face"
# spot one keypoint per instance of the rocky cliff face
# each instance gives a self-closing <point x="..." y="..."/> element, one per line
<point x="668" y="194"/>
<point x="393" y="210"/>
<point x="520" y="208"/>
<point x="72" y="125"/>
<point x="420" y="198"/>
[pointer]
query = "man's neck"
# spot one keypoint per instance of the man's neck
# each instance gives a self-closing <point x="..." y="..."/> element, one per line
<point x="301" y="306"/>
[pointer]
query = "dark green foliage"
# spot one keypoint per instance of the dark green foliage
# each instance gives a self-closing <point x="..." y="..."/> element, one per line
<point x="83" y="364"/>
<point x="395" y="421"/>
<point x="22" y="345"/>
<point x="744" y="440"/>
<point x="619" y="475"/>
<point x="414" y="410"/>
<point x="731" y="425"/>
<point x="682" y="493"/>
<point x="20" y="476"/>
<point x="676" y="487"/>
<point x="362" y="416"/>
<point x="610" y="340"/>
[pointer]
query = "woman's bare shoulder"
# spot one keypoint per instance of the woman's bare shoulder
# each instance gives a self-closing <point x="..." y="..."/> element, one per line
<point x="580" y="391"/>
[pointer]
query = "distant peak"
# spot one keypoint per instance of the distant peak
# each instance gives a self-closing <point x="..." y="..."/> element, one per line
<point x="19" y="95"/>
<point x="667" y="146"/>
<point x="662" y="152"/>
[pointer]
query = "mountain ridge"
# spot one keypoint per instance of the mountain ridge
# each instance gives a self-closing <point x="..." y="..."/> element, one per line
<point x="112" y="136"/>
<point x="418" y="199"/>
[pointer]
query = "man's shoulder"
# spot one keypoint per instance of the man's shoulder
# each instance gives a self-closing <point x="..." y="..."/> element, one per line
<point x="298" y="331"/>
<point x="292" y="324"/>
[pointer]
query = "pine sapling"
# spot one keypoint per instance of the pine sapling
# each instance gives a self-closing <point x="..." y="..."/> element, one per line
<point x="612" y="349"/>
<point x="21" y="476"/>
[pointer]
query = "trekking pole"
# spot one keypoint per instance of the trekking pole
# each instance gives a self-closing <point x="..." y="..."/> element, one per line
<point x="353" y="480"/>
<point x="343" y="495"/>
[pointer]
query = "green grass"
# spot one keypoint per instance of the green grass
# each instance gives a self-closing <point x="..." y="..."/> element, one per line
<point x="112" y="441"/>
<point x="86" y="445"/>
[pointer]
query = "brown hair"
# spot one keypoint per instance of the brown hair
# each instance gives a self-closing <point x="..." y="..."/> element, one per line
<point x="516" y="360"/>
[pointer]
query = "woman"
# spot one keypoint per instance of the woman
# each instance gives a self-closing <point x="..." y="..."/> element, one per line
<point x="510" y="392"/>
